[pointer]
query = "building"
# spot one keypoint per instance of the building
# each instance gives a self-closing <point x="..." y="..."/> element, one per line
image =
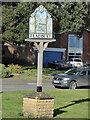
<point x="75" y="47"/>
<point x="65" y="47"/>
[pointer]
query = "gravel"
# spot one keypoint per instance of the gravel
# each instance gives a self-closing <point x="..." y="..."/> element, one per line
<point x="39" y="95"/>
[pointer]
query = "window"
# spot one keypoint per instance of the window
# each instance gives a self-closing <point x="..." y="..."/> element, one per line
<point x="83" y="72"/>
<point x="77" y="60"/>
<point x="74" y="41"/>
<point x="78" y="53"/>
<point x="89" y="72"/>
<point x="71" y="53"/>
<point x="71" y="41"/>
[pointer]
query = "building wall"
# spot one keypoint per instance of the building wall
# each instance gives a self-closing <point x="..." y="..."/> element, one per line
<point x="64" y="43"/>
<point x="55" y="44"/>
<point x="61" y="42"/>
<point x="20" y="55"/>
<point x="88" y="54"/>
<point x="86" y="46"/>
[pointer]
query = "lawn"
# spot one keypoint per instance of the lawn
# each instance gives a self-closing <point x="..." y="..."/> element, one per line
<point x="30" y="73"/>
<point x="68" y="103"/>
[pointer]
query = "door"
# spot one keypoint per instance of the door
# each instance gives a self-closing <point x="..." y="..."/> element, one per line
<point x="50" y="56"/>
<point x="88" y="77"/>
<point x="83" y="78"/>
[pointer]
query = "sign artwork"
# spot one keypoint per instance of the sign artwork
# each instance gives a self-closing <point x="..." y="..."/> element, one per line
<point x="40" y="24"/>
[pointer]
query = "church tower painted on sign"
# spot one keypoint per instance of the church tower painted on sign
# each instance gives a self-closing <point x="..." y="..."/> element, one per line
<point x="40" y="24"/>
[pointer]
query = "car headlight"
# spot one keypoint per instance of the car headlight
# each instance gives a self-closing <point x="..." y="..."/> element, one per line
<point x="66" y="78"/>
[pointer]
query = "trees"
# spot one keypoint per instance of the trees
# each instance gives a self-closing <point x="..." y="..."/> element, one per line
<point x="15" y="19"/>
<point x="73" y="16"/>
<point x="88" y="17"/>
<point x="67" y="16"/>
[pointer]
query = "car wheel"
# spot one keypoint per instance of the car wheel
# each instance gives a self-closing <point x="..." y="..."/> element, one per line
<point x="72" y="85"/>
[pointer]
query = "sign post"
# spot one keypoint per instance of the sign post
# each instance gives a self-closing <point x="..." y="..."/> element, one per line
<point x="39" y="104"/>
<point x="40" y="64"/>
<point x="40" y="32"/>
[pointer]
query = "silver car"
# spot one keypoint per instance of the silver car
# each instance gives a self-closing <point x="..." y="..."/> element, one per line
<point x="73" y="78"/>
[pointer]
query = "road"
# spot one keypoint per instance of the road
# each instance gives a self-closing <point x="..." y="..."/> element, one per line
<point x="25" y="85"/>
<point x="8" y="85"/>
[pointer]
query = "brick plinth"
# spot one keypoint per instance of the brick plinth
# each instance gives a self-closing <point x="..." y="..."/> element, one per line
<point x="38" y="108"/>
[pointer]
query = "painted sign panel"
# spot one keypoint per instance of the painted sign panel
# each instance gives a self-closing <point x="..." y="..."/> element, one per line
<point x="40" y="24"/>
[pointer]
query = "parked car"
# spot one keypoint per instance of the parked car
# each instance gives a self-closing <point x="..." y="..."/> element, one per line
<point x="60" y="64"/>
<point x="73" y="78"/>
<point x="87" y="65"/>
<point x="76" y="62"/>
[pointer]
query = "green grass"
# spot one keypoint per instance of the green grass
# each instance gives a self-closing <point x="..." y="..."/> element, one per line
<point x="68" y="103"/>
<point x="52" y="71"/>
<point x="30" y="73"/>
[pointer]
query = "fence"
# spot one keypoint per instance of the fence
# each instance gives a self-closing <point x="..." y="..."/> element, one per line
<point x="18" y="55"/>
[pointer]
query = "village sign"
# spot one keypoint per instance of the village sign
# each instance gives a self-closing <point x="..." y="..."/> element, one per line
<point x="40" y="24"/>
<point x="40" y="32"/>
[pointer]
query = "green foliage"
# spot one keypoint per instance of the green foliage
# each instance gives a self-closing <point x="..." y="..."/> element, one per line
<point x="88" y="17"/>
<point x="2" y="66"/>
<point x="67" y="16"/>
<point x="15" y="19"/>
<point x="73" y="16"/>
<point x="15" y="69"/>
<point x="4" y="72"/>
<point x="27" y="72"/>
<point x="52" y="71"/>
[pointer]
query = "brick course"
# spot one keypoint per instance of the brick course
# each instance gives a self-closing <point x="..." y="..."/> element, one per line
<point x="86" y="46"/>
<point x="38" y="108"/>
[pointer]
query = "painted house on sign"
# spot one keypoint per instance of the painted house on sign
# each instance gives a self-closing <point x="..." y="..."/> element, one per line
<point x="40" y="24"/>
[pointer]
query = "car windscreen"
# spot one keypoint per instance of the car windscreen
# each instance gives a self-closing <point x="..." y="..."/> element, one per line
<point x="72" y="72"/>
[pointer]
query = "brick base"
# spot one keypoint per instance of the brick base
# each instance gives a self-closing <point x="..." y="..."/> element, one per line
<point x="37" y="108"/>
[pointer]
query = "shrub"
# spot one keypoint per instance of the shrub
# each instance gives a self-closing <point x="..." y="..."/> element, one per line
<point x="27" y="72"/>
<point x="4" y="72"/>
<point x="15" y="69"/>
<point x="2" y="66"/>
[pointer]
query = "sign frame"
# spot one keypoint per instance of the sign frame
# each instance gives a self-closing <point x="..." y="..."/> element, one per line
<point x="46" y="23"/>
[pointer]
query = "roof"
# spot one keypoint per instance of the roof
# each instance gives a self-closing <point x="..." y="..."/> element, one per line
<point x="54" y="49"/>
<point x="71" y="31"/>
<point x="87" y="29"/>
